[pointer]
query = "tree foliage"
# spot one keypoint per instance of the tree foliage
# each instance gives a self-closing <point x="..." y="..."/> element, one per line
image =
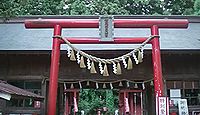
<point x="143" y="7"/>
<point x="93" y="7"/>
<point x="197" y="7"/>
<point x="10" y="8"/>
<point x="179" y="7"/>
<point x="91" y="100"/>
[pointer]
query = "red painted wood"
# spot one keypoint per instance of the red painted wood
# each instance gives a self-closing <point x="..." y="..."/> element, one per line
<point x="98" y="40"/>
<point x="74" y="95"/>
<point x="131" y="104"/>
<point x="124" y="97"/>
<point x="67" y="106"/>
<point x="70" y="102"/>
<point x="156" y="59"/>
<point x="121" y="103"/>
<point x="131" y="90"/>
<point x="53" y="83"/>
<point x="118" y="23"/>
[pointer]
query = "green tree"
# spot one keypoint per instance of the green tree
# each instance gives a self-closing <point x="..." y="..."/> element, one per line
<point x="197" y="7"/>
<point x="91" y="99"/>
<point x="93" y="7"/>
<point x="143" y="7"/>
<point x="38" y="7"/>
<point x="9" y="8"/>
<point x="178" y="7"/>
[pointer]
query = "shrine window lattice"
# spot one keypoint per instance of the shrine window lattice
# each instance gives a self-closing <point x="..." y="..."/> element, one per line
<point x="190" y="90"/>
<point x="34" y="87"/>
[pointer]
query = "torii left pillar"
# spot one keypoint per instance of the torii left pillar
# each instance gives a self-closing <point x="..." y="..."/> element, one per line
<point x="54" y="70"/>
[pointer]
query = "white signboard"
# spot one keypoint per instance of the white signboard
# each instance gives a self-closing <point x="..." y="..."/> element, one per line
<point x="162" y="106"/>
<point x="5" y="96"/>
<point x="175" y="95"/>
<point x="182" y="107"/>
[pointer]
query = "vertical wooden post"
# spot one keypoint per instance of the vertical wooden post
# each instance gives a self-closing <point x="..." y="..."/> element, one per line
<point x="141" y="102"/>
<point x="157" y="68"/>
<point x="54" y="69"/>
<point x="131" y="103"/>
<point x="73" y="100"/>
<point x="121" y="103"/>
<point x="67" y="105"/>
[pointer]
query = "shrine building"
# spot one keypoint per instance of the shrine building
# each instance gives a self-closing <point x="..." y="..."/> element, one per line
<point x="25" y="59"/>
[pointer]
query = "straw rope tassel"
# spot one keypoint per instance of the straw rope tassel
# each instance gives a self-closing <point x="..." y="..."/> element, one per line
<point x="139" y="56"/>
<point x="82" y="63"/>
<point x="119" y="70"/>
<point x="135" y="86"/>
<point x="105" y="71"/>
<point x="120" y="83"/>
<point x="151" y="83"/>
<point x="88" y="83"/>
<point x="104" y="85"/>
<point x="72" y="56"/>
<point x="130" y="64"/>
<point x="72" y="86"/>
<point x="92" y="69"/>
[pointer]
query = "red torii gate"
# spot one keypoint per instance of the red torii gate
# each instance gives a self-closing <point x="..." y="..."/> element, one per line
<point x="58" y="24"/>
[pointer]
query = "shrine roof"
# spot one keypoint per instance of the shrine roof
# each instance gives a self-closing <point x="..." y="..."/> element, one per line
<point x="14" y="36"/>
<point x="17" y="92"/>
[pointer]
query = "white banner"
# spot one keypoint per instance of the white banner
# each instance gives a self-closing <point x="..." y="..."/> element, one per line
<point x="183" y="107"/>
<point x="162" y="106"/>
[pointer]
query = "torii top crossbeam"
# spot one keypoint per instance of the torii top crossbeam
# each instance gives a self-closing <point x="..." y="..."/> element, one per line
<point x="118" y="23"/>
<point x="58" y="24"/>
